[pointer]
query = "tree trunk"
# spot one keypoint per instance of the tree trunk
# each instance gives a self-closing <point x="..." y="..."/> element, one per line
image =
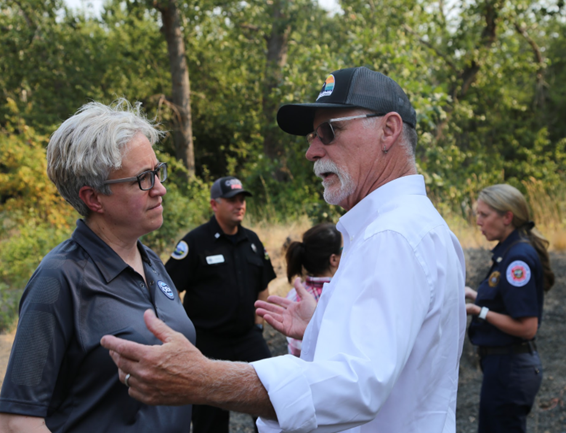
<point x="181" y="89"/>
<point x="276" y="60"/>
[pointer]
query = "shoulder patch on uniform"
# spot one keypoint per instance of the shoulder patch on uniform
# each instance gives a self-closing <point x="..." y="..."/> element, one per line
<point x="164" y="287"/>
<point x="518" y="273"/>
<point x="181" y="251"/>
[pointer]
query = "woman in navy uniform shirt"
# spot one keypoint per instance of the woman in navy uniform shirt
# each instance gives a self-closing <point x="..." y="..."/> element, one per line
<point x="507" y="310"/>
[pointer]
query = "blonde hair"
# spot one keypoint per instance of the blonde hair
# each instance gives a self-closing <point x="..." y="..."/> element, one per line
<point x="504" y="198"/>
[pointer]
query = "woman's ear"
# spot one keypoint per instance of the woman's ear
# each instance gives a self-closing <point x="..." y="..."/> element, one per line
<point x="508" y="218"/>
<point x="91" y="198"/>
<point x="335" y="260"/>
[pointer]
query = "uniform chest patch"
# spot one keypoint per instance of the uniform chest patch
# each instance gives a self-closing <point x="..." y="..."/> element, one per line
<point x="493" y="279"/>
<point x="181" y="251"/>
<point x="166" y="289"/>
<point x="518" y="273"/>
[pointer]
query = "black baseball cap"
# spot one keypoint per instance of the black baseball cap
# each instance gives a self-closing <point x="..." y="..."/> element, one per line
<point x="227" y="187"/>
<point x="349" y="88"/>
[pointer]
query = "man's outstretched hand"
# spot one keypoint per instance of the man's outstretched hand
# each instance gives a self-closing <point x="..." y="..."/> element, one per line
<point x="168" y="374"/>
<point x="288" y="317"/>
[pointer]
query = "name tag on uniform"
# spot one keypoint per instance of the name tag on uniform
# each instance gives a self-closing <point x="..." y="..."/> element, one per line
<point x="212" y="260"/>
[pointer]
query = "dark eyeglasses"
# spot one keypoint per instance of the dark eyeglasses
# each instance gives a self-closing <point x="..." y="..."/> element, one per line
<point x="325" y="131"/>
<point x="146" y="180"/>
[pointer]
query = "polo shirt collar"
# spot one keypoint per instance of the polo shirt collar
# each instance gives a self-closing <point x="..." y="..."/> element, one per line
<point x="108" y="262"/>
<point x="357" y="218"/>
<point x="218" y="233"/>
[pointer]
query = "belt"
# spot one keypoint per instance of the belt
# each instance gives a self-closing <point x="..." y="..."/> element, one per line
<point x="524" y="347"/>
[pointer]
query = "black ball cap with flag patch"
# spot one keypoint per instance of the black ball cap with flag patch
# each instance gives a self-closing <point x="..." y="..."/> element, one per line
<point x="349" y="88"/>
<point x="227" y="187"/>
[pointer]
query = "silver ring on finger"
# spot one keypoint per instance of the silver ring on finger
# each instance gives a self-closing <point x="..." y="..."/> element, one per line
<point x="127" y="379"/>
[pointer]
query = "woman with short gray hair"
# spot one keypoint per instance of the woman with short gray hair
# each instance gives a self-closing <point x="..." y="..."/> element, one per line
<point x="100" y="281"/>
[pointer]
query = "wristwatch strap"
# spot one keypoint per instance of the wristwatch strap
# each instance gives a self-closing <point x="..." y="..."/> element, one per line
<point x="483" y="313"/>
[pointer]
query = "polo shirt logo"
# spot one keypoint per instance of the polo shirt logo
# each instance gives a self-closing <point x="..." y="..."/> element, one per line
<point x="166" y="289"/>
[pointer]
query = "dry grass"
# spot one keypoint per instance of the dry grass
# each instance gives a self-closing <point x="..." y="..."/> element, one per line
<point x="470" y="235"/>
<point x="274" y="238"/>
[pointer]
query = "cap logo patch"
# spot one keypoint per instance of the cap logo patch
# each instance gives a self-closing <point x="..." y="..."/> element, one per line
<point x="166" y="289"/>
<point x="327" y="87"/>
<point x="181" y="251"/>
<point x="234" y="184"/>
<point x="518" y="273"/>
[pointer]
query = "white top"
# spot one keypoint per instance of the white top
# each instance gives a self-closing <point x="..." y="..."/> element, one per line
<point x="382" y="351"/>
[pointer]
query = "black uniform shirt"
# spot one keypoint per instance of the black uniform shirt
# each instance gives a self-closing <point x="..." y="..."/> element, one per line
<point x="81" y="291"/>
<point x="222" y="276"/>
<point x="514" y="286"/>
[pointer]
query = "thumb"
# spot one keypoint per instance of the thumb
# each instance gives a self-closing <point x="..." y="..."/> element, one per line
<point x="301" y="291"/>
<point x="157" y="327"/>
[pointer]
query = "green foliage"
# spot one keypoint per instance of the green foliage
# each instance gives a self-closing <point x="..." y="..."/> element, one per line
<point x="34" y="217"/>
<point x="488" y="80"/>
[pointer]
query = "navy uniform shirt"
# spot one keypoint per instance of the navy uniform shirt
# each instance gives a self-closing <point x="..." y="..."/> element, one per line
<point x="514" y="286"/>
<point x="222" y="276"/>
<point x="81" y="291"/>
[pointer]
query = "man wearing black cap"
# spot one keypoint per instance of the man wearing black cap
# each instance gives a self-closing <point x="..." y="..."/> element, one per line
<point x="381" y="351"/>
<point x="223" y="269"/>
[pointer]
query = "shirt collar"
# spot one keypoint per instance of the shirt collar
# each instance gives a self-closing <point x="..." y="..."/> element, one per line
<point x="356" y="219"/>
<point x="218" y="233"/>
<point x="502" y="247"/>
<point x="108" y="262"/>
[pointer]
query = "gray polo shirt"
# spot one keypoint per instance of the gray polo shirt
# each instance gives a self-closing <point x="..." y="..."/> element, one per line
<point x="81" y="291"/>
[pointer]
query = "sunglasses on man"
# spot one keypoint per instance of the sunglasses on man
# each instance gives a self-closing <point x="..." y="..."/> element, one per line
<point x="325" y="131"/>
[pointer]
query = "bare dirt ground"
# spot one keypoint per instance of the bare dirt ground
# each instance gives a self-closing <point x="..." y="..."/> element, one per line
<point x="548" y="414"/>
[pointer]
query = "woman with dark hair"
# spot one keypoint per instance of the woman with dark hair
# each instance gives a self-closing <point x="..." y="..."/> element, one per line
<point x="319" y="255"/>
<point x="507" y="310"/>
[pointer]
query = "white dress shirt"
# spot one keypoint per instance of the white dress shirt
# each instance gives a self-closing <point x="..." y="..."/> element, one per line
<point x="382" y="351"/>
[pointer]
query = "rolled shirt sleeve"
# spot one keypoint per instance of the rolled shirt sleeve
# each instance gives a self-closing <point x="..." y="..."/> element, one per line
<point x="382" y="350"/>
<point x="369" y="327"/>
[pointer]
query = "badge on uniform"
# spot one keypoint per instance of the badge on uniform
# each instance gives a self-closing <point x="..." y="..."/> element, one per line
<point x="254" y="248"/>
<point x="212" y="260"/>
<point x="518" y="273"/>
<point x="493" y="279"/>
<point x="181" y="251"/>
<point x="166" y="289"/>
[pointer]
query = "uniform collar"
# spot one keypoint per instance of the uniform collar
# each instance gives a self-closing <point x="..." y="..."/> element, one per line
<point x="502" y="247"/>
<point x="217" y="232"/>
<point x="357" y="218"/>
<point x="108" y="262"/>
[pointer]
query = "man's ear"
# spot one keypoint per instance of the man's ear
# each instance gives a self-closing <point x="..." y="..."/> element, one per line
<point x="91" y="198"/>
<point x="213" y="205"/>
<point x="392" y="127"/>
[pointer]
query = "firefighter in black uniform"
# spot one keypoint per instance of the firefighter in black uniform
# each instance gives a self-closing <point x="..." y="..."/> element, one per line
<point x="223" y="269"/>
<point x="507" y="310"/>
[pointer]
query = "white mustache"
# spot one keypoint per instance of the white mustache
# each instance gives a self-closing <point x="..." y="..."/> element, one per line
<point x="324" y="166"/>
